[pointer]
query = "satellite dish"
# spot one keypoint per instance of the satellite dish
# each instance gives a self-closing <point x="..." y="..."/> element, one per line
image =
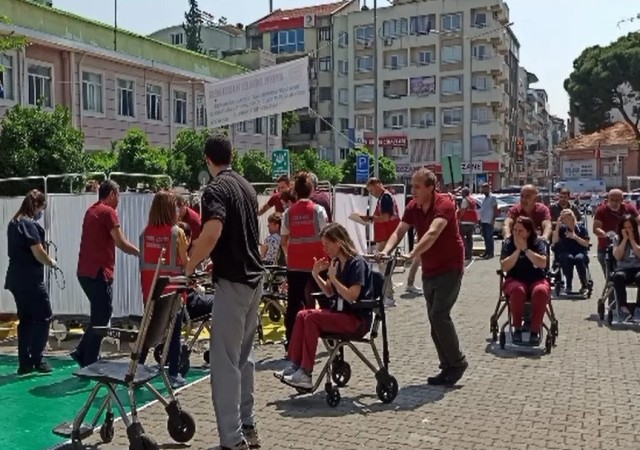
<point x="203" y="177"/>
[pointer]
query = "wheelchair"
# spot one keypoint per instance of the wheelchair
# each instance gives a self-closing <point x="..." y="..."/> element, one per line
<point x="499" y="332"/>
<point x="557" y="281"/>
<point x="274" y="296"/>
<point x="612" y="310"/>
<point x="156" y="327"/>
<point x="336" y="370"/>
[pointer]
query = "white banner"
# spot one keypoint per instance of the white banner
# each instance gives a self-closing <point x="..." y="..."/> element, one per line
<point x="476" y="167"/>
<point x="585" y="168"/>
<point x="265" y="92"/>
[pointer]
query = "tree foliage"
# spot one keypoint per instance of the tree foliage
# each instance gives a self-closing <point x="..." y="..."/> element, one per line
<point x="309" y="160"/>
<point x="256" y="167"/>
<point x="187" y="157"/>
<point x="288" y="119"/>
<point x="10" y="42"/>
<point x="137" y="156"/>
<point x="387" y="168"/>
<point x="604" y="79"/>
<point x="192" y="27"/>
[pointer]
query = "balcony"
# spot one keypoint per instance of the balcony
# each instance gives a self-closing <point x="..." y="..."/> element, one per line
<point x="492" y="128"/>
<point x="490" y="96"/>
<point x="395" y="89"/>
<point x="500" y="11"/>
<point x="423" y="117"/>
<point x="486" y="63"/>
<point x="395" y="120"/>
<point x="395" y="59"/>
<point x="500" y="42"/>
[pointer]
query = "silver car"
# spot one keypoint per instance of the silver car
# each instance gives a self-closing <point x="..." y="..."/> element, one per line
<point x="505" y="202"/>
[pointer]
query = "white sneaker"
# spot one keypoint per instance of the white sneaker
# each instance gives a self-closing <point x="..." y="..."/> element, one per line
<point x="389" y="302"/>
<point x="290" y="370"/>
<point x="299" y="379"/>
<point x="411" y="289"/>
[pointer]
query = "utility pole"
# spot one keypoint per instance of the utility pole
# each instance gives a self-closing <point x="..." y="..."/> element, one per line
<point x="376" y="70"/>
<point x="115" y="25"/>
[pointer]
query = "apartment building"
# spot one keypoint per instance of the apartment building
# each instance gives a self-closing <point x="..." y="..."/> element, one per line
<point x="291" y="34"/>
<point x="71" y="61"/>
<point x="216" y="38"/>
<point x="447" y="84"/>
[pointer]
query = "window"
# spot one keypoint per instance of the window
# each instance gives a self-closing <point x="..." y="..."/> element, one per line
<point x="451" y="85"/>
<point x="481" y="51"/>
<point x="452" y="22"/>
<point x="325" y="94"/>
<point x="364" y="63"/>
<point x="395" y="27"/>
<point x="344" y="125"/>
<point x="180" y="107"/>
<point x="451" y="148"/>
<point x="425" y="58"/>
<point x="343" y="39"/>
<point x="289" y="41"/>
<point x="40" y="84"/>
<point x="308" y="126"/>
<point x="201" y="111"/>
<point x="325" y="64"/>
<point x="344" y="152"/>
<point x="326" y="123"/>
<point x="397" y="61"/>
<point x="481" y="114"/>
<point x="452" y="54"/>
<point x="343" y="96"/>
<point x="451" y="117"/>
<point x="479" y="19"/>
<point x="480" y="83"/>
<point x="7" y="81"/>
<point x="154" y="102"/>
<point x="273" y="125"/>
<point x="428" y="119"/>
<point x="343" y="68"/>
<point x="364" y="122"/>
<point x="422" y="150"/>
<point x="421" y="24"/>
<point x="364" y="34"/>
<point x="241" y="127"/>
<point x="324" y="33"/>
<point x="177" y="38"/>
<point x="396" y="120"/>
<point x="92" y="92"/>
<point x="257" y="126"/>
<point x="126" y="95"/>
<point x="364" y="93"/>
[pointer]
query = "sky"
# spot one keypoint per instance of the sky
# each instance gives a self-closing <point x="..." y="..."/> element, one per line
<point x="552" y="33"/>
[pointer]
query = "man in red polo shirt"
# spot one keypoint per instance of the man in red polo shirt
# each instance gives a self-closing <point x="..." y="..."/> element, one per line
<point x="275" y="201"/>
<point x="101" y="234"/>
<point x="433" y="215"/>
<point x="189" y="216"/>
<point x="531" y="208"/>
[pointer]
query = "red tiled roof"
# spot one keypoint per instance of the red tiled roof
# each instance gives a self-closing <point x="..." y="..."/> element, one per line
<point x="318" y="10"/>
<point x="618" y="134"/>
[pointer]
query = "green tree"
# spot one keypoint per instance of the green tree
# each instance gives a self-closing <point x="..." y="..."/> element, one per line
<point x="187" y="157"/>
<point x="236" y="162"/>
<point x="604" y="79"/>
<point x="192" y="27"/>
<point x="105" y="161"/>
<point x="256" y="167"/>
<point x="137" y="156"/>
<point x="10" y="42"/>
<point x="310" y="160"/>
<point x="288" y="119"/>
<point x="387" y="168"/>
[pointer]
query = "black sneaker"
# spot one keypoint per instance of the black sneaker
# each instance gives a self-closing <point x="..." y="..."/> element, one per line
<point x="438" y="380"/>
<point x="454" y="374"/>
<point x="24" y="370"/>
<point x="534" y="339"/>
<point x="43" y="367"/>
<point x="517" y="335"/>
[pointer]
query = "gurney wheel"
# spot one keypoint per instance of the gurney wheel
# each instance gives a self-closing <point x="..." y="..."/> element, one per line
<point x="388" y="390"/>
<point x="181" y="427"/>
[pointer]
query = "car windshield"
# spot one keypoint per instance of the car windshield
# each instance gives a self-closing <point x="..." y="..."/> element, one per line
<point x="509" y="199"/>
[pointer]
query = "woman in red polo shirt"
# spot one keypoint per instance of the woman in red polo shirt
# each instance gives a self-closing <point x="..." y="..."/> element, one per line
<point x="163" y="232"/>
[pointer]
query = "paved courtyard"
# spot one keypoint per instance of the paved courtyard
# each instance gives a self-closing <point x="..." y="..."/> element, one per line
<point x="584" y="395"/>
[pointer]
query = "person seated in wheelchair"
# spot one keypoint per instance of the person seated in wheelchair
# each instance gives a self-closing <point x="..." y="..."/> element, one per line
<point x="626" y="251"/>
<point x="571" y="244"/>
<point x="345" y="276"/>
<point x="524" y="261"/>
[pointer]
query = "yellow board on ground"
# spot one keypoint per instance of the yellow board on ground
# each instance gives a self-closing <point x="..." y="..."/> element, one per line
<point x="8" y="330"/>
<point x="273" y="331"/>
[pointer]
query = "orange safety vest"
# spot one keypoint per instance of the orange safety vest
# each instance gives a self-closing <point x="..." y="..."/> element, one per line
<point x="305" y="244"/>
<point x="382" y="231"/>
<point x="152" y="240"/>
<point x="471" y="214"/>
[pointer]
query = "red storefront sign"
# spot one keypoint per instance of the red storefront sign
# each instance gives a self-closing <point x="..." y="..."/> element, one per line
<point x="387" y="141"/>
<point x="284" y="23"/>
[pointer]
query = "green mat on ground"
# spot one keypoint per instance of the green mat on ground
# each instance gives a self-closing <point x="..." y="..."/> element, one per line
<point x="33" y="405"/>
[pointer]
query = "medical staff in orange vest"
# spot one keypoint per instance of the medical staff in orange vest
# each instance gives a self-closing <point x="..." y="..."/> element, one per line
<point x="300" y="239"/>
<point x="469" y="217"/>
<point x="161" y="232"/>
<point x="385" y="219"/>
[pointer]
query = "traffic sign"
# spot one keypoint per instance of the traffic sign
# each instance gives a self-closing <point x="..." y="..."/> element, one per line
<point x="362" y="168"/>
<point x="280" y="164"/>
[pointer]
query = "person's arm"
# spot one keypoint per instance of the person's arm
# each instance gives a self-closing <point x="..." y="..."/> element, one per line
<point x="509" y="256"/>
<point x="597" y="224"/>
<point x="355" y="280"/>
<point x="386" y="209"/>
<point x="496" y="211"/>
<point x="31" y="234"/>
<point x="323" y="220"/>
<point x="555" y="237"/>
<point x="284" y="232"/>
<point x="213" y="217"/>
<point x="582" y="237"/>
<point x="547" y="226"/>
<point x="118" y="237"/>
<point x="181" y="240"/>
<point x="537" y="256"/>
<point x="635" y="247"/>
<point x="618" y="251"/>
<point x="508" y="223"/>
<point x="263" y="250"/>
<point x="443" y="213"/>
<point x="270" y="204"/>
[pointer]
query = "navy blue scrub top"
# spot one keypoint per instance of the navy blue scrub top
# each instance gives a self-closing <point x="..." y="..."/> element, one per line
<point x="24" y="269"/>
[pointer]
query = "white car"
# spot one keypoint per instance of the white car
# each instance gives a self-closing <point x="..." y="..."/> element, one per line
<point x="505" y="202"/>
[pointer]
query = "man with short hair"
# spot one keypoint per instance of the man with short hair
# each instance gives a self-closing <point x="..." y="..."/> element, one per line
<point x="441" y="250"/>
<point x="101" y="234"/>
<point x="531" y="208"/>
<point x="564" y="202"/>
<point x="275" y="200"/>
<point x="231" y="236"/>
<point x="488" y="214"/>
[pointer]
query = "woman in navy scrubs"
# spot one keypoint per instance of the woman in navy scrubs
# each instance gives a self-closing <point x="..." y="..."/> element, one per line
<point x="25" y="281"/>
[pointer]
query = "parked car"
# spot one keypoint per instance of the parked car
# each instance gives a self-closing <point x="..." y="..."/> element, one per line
<point x="505" y="202"/>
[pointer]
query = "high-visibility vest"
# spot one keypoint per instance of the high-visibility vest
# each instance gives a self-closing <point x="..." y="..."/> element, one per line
<point x="303" y="223"/>
<point x="471" y="214"/>
<point x="382" y="231"/>
<point x="152" y="240"/>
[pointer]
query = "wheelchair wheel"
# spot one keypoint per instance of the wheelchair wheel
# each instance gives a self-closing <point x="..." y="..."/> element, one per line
<point x="333" y="397"/>
<point x="205" y="356"/>
<point x="181" y="427"/>
<point x="106" y="430"/>
<point x="341" y="373"/>
<point x="157" y="353"/>
<point x="601" y="310"/>
<point x="274" y="314"/>
<point x="503" y="340"/>
<point x="387" y="392"/>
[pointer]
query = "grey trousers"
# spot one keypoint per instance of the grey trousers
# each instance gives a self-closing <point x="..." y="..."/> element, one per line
<point x="466" y="231"/>
<point x="441" y="293"/>
<point x="233" y="329"/>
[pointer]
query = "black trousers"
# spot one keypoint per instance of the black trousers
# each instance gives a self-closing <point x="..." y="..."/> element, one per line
<point x="296" y="298"/>
<point x="34" y="314"/>
<point x="100" y="295"/>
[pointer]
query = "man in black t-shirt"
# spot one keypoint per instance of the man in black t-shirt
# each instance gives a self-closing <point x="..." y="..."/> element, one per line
<point x="230" y="235"/>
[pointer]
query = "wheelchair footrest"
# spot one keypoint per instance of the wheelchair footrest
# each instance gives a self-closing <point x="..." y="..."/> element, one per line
<point x="64" y="430"/>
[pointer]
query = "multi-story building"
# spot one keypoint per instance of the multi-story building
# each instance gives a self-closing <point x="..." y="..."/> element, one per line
<point x="294" y="33"/>
<point x="447" y="78"/>
<point x="110" y="80"/>
<point x="216" y="38"/>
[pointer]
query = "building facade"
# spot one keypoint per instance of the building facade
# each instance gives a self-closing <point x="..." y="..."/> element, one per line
<point x="446" y="77"/>
<point x="216" y="39"/>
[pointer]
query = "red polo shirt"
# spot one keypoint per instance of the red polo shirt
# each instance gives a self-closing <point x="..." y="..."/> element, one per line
<point x="539" y="214"/>
<point x="192" y="219"/>
<point x="275" y="202"/>
<point x="447" y="252"/>
<point x="610" y="219"/>
<point x="97" y="247"/>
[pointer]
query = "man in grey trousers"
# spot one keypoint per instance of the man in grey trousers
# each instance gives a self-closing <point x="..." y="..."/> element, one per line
<point x="230" y="235"/>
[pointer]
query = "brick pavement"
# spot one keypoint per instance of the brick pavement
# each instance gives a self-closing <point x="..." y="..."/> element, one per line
<point x="584" y="395"/>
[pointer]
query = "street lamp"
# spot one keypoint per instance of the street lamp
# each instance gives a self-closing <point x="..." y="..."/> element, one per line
<point x="376" y="133"/>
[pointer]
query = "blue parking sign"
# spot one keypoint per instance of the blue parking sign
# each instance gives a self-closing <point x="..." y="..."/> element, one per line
<point x="362" y="168"/>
